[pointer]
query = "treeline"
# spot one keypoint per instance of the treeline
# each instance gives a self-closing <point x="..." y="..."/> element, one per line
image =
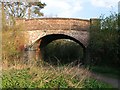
<point x="104" y="45"/>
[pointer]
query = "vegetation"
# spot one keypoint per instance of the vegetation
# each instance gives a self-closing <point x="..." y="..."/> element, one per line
<point x="104" y="42"/>
<point x="48" y="76"/>
<point x="16" y="74"/>
<point x="103" y="49"/>
<point x="57" y="51"/>
<point x="12" y="45"/>
<point x="23" y="9"/>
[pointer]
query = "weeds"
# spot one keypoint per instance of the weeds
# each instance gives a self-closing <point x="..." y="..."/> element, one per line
<point x="47" y="76"/>
<point x="12" y="44"/>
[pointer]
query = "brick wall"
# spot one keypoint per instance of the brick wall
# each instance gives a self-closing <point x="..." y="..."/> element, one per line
<point x="35" y="29"/>
<point x="54" y="24"/>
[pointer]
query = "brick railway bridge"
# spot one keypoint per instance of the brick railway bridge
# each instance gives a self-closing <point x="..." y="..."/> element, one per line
<point x="40" y="32"/>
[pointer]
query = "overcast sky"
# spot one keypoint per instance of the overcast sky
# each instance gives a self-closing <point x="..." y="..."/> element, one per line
<point x="84" y="9"/>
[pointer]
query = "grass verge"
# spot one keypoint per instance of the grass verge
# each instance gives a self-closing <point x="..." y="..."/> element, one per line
<point x="47" y="76"/>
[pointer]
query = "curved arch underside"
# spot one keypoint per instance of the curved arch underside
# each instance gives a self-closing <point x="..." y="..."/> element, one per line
<point x="78" y="36"/>
<point x="45" y="40"/>
<point x="49" y="38"/>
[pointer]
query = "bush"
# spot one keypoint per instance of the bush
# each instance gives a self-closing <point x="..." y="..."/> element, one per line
<point x="104" y="44"/>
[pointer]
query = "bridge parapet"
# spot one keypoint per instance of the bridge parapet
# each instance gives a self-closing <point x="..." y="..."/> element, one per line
<point x="54" y="24"/>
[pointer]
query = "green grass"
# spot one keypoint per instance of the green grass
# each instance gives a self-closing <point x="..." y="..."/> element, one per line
<point x="16" y="79"/>
<point x="49" y="77"/>
<point x="93" y="83"/>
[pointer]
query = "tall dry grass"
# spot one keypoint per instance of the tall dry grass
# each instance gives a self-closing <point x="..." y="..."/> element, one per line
<point x="12" y="44"/>
<point x="49" y="76"/>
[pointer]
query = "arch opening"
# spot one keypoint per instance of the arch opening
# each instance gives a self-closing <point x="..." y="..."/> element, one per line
<point x="71" y="49"/>
<point x="49" y="38"/>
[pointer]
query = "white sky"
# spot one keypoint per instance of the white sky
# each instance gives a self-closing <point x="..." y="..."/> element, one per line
<point x="79" y="8"/>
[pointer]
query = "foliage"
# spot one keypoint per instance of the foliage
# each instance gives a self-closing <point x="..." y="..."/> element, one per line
<point x="16" y="79"/>
<point x="62" y="51"/>
<point x="47" y="76"/>
<point x="21" y="9"/>
<point x="12" y="42"/>
<point x="104" y="44"/>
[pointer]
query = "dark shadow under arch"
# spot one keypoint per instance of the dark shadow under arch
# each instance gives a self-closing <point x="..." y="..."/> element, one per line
<point x="49" y="38"/>
<point x="45" y="40"/>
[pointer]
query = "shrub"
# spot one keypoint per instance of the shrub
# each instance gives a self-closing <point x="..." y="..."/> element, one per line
<point x="104" y="44"/>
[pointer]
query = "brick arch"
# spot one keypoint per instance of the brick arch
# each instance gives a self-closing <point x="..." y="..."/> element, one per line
<point x="45" y="40"/>
<point x="81" y="37"/>
<point x="37" y="28"/>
